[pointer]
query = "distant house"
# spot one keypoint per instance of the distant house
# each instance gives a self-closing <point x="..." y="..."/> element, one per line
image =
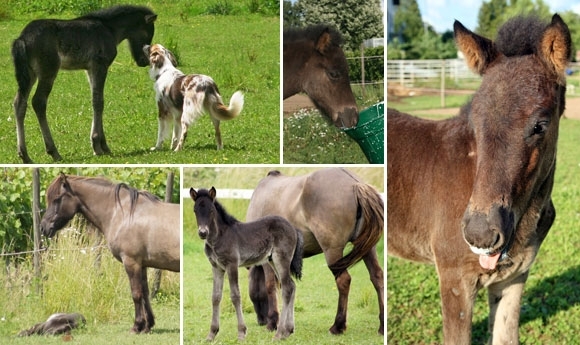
<point x="374" y="42"/>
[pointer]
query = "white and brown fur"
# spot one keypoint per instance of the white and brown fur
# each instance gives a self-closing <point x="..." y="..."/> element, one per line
<point x="184" y="98"/>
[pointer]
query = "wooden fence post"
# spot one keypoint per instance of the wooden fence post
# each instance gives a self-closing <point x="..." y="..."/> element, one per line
<point x="157" y="272"/>
<point x="36" y="226"/>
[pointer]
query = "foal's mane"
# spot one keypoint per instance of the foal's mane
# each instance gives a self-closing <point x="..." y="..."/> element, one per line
<point x="227" y="218"/>
<point x="116" y="11"/>
<point x="520" y="35"/>
<point x="312" y="33"/>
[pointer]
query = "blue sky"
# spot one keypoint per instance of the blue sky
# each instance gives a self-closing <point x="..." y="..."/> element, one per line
<point x="442" y="13"/>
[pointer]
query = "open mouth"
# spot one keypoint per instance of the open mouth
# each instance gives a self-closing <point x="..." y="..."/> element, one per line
<point x="488" y="260"/>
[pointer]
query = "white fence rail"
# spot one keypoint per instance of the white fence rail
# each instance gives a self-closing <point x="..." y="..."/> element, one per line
<point x="407" y="72"/>
<point x="225" y="193"/>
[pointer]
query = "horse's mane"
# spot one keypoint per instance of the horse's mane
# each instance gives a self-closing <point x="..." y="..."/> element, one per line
<point x="312" y="33"/>
<point x="115" y="11"/>
<point x="227" y="218"/>
<point x="134" y="195"/>
<point x="520" y="35"/>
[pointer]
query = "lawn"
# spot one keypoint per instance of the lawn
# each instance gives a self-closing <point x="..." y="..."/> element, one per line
<point x="551" y="301"/>
<point x="240" y="51"/>
<point x="316" y="296"/>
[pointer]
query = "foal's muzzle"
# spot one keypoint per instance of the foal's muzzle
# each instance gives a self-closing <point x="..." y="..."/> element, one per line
<point x="203" y="231"/>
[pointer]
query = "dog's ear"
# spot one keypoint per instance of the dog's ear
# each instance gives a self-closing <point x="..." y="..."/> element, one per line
<point x="171" y="57"/>
<point x="146" y="50"/>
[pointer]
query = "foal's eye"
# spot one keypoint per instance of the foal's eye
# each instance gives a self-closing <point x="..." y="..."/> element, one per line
<point x="332" y="74"/>
<point x="540" y="127"/>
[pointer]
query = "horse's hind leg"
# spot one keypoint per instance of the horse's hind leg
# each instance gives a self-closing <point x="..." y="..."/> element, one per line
<point x="39" y="100"/>
<point x="237" y="300"/>
<point x="376" y="274"/>
<point x="258" y="295"/>
<point x="97" y="77"/>
<point x="342" y="280"/>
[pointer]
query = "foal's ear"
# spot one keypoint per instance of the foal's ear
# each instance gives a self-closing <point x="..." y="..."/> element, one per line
<point x="323" y="41"/>
<point x="555" y="47"/>
<point x="192" y="193"/>
<point x="479" y="51"/>
<point x="212" y="193"/>
<point x="150" y="18"/>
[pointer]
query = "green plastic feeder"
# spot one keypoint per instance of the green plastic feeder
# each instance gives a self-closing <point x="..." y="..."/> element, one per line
<point x="369" y="133"/>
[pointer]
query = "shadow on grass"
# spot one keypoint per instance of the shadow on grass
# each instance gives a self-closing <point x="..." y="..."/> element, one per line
<point x="542" y="301"/>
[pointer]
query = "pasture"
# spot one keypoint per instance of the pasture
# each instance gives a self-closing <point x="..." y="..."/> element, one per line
<point x="551" y="302"/>
<point x="240" y="51"/>
<point x="316" y="295"/>
<point x="79" y="274"/>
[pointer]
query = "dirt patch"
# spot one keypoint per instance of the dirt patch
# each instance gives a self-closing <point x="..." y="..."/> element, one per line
<point x="295" y="103"/>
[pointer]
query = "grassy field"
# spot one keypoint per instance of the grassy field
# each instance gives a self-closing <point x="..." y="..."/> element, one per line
<point x="551" y="301"/>
<point x="240" y="51"/>
<point x="316" y="296"/>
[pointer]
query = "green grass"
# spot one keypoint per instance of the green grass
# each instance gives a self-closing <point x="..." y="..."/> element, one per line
<point x="312" y="139"/>
<point x="72" y="282"/>
<point x="316" y="295"/>
<point x="551" y="301"/>
<point x="240" y="52"/>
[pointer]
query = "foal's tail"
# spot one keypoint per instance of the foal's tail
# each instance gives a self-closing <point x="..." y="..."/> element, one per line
<point x="20" y="59"/>
<point x="368" y="229"/>
<point x="296" y="264"/>
<point x="221" y="112"/>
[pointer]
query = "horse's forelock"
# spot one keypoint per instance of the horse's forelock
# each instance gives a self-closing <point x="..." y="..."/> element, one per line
<point x="520" y="35"/>
<point x="313" y="32"/>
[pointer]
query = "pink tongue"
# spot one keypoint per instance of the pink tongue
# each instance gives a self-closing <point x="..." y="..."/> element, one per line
<point x="489" y="261"/>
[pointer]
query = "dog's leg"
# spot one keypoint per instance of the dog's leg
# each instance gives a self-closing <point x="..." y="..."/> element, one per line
<point x="161" y="128"/>
<point x="176" y="131"/>
<point x="218" y="133"/>
<point x="182" y="137"/>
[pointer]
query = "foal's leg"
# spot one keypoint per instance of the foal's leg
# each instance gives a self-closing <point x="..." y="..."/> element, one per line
<point x="376" y="273"/>
<point x="457" y="298"/>
<point x="97" y="77"/>
<point x="216" y="297"/>
<point x="39" y="100"/>
<point x="218" y="133"/>
<point x="20" y="105"/>
<point x="236" y="300"/>
<point x="504" y="317"/>
<point x="286" y="326"/>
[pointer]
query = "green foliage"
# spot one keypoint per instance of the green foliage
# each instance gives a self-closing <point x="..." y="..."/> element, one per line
<point x="408" y="22"/>
<point x="77" y="7"/>
<point x="291" y="14"/>
<point x="356" y="20"/>
<point x="489" y="17"/>
<point x="221" y="7"/>
<point x="374" y="67"/>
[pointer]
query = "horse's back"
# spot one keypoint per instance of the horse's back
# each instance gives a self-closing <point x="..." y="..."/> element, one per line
<point x="321" y="204"/>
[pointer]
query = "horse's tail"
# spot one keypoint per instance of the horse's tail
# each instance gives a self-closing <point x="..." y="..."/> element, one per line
<point x="20" y="59"/>
<point x="223" y="113"/>
<point x="368" y="229"/>
<point x="296" y="263"/>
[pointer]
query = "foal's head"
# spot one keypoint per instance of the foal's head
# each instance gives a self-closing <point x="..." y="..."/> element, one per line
<point x="324" y="75"/>
<point x="140" y="35"/>
<point x="62" y="205"/>
<point x="204" y="209"/>
<point x="514" y="117"/>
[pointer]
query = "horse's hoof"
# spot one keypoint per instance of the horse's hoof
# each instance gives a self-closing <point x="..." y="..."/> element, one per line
<point x="337" y="330"/>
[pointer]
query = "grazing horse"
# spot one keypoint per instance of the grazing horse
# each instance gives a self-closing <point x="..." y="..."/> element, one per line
<point x="332" y="207"/>
<point x="230" y="244"/>
<point x="472" y="194"/>
<point x="141" y="230"/>
<point x="314" y="63"/>
<point x="88" y="42"/>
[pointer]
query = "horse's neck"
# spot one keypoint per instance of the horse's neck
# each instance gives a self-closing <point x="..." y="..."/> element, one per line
<point x="293" y="62"/>
<point x="93" y="204"/>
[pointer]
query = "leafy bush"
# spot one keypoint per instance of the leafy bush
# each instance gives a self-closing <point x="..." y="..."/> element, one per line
<point x="78" y="7"/>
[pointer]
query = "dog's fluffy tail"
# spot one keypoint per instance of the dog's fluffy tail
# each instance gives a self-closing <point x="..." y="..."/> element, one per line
<point x="221" y="112"/>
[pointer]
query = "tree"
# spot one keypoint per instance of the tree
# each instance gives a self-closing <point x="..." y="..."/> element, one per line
<point x="490" y="17"/>
<point x="408" y="23"/>
<point x="292" y="14"/>
<point x="356" y="20"/>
